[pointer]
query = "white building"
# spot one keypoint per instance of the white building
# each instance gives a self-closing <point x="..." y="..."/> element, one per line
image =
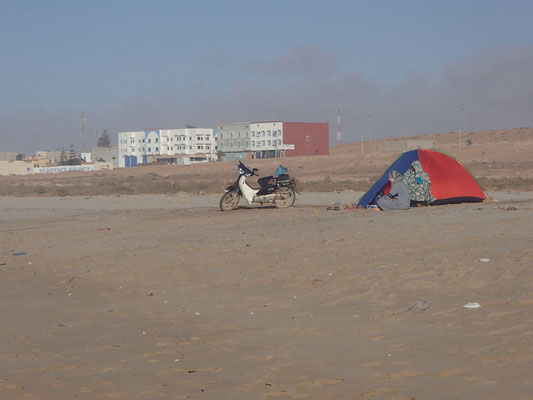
<point x="267" y="140"/>
<point x="172" y="146"/>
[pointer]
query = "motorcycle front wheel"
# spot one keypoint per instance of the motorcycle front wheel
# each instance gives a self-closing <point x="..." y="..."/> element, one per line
<point x="285" y="198"/>
<point x="229" y="201"/>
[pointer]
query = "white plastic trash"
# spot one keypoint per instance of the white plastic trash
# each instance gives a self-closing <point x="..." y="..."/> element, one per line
<point x="472" y="305"/>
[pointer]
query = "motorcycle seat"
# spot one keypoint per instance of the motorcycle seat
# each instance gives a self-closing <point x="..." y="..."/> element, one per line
<point x="266" y="181"/>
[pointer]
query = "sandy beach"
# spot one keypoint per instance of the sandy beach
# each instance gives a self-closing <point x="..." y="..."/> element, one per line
<point x="166" y="297"/>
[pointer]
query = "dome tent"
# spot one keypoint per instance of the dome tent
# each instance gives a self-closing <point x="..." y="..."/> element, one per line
<point x="451" y="182"/>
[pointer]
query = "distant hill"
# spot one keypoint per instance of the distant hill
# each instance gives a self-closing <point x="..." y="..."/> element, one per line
<point x="500" y="159"/>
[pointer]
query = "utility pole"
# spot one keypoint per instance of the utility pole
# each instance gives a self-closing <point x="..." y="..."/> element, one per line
<point x="371" y="133"/>
<point x="464" y="124"/>
<point x="461" y="131"/>
<point x="83" y="119"/>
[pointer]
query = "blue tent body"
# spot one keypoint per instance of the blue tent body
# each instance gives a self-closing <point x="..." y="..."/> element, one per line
<point x="402" y="164"/>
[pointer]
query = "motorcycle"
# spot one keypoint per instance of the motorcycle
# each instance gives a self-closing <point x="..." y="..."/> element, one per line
<point x="279" y="191"/>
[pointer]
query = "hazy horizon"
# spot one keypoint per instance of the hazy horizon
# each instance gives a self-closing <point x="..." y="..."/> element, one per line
<point x="392" y="68"/>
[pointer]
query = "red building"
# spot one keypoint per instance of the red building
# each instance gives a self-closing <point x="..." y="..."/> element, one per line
<point x="308" y="138"/>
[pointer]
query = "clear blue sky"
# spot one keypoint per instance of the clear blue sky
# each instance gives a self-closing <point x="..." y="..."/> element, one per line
<point x="134" y="64"/>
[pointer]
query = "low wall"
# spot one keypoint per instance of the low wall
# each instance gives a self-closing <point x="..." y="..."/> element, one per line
<point x="420" y="144"/>
<point x="63" y="168"/>
<point x="399" y="146"/>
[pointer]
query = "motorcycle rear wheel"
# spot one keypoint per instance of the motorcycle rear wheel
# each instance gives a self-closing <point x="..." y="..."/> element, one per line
<point x="229" y="201"/>
<point x="285" y="198"/>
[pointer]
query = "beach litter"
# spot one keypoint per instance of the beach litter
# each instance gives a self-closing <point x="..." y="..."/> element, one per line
<point x="485" y="260"/>
<point x="337" y="206"/>
<point x="22" y="253"/>
<point x="421" y="305"/>
<point x="510" y="208"/>
<point x="472" y="305"/>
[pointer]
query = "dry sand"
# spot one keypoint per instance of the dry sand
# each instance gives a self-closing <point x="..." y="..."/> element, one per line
<point x="165" y="297"/>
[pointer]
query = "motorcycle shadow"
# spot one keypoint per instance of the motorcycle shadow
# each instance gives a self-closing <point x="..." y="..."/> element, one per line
<point x="253" y="207"/>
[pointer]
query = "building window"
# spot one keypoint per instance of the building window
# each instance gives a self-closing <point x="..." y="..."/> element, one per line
<point x="157" y="149"/>
<point x="246" y="144"/>
<point x="149" y="149"/>
<point x="262" y="142"/>
<point x="253" y="142"/>
<point x="269" y="133"/>
<point x="269" y="143"/>
<point x="263" y="133"/>
<point x="238" y="144"/>
<point x="253" y="133"/>
<point x="156" y="140"/>
<point x="199" y="138"/>
<point x="207" y="147"/>
<point x="279" y="142"/>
